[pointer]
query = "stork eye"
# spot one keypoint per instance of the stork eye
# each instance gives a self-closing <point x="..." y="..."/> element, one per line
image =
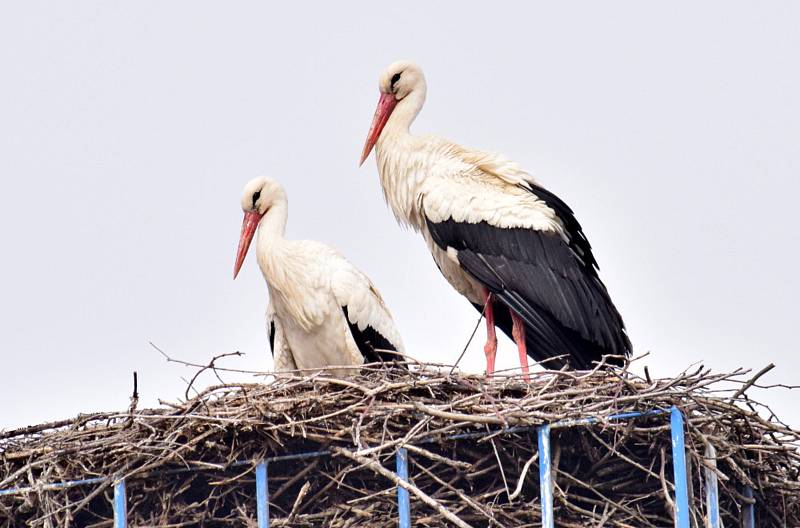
<point x="256" y="196"/>
<point x="395" y="78"/>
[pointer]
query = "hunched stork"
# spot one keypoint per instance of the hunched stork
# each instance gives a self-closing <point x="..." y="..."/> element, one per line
<point x="511" y="247"/>
<point x="322" y="310"/>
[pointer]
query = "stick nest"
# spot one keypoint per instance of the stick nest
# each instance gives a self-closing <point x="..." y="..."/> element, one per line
<point x="191" y="463"/>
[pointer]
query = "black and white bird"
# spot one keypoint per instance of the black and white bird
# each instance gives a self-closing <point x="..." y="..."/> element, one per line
<point x="323" y="311"/>
<point x="511" y="247"/>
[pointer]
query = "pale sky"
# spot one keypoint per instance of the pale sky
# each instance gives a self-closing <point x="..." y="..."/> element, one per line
<point x="128" y="129"/>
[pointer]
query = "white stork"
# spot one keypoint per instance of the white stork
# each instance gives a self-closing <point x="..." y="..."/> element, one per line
<point x="322" y="311"/>
<point x="511" y="247"/>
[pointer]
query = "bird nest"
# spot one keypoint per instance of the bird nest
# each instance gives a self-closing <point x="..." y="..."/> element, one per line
<point x="471" y="443"/>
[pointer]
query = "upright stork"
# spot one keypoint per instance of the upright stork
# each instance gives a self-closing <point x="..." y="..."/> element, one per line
<point x="322" y="311"/>
<point x="511" y="247"/>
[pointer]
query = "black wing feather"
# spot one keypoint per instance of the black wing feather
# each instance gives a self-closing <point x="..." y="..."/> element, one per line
<point x="373" y="346"/>
<point x="551" y="283"/>
<point x="577" y="240"/>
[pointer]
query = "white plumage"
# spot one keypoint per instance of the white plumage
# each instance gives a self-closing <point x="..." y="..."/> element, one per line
<point x="322" y="310"/>
<point x="498" y="237"/>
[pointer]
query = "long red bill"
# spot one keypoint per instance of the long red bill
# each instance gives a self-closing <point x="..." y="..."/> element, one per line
<point x="386" y="104"/>
<point x="249" y="225"/>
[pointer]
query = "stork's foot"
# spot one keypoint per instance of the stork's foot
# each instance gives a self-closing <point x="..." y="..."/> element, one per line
<point x="518" y="332"/>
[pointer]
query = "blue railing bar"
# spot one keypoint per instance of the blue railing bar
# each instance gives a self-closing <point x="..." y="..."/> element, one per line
<point x="54" y="485"/>
<point x="545" y="478"/>
<point x="480" y="434"/>
<point x="309" y="454"/>
<point x="749" y="509"/>
<point x="712" y="488"/>
<point x="120" y="505"/>
<point x="569" y="422"/>
<point x="403" y="502"/>
<point x="314" y="454"/>
<point x="262" y="495"/>
<point x="173" y="471"/>
<point x="679" y="469"/>
<point x="591" y="420"/>
<point x="281" y="458"/>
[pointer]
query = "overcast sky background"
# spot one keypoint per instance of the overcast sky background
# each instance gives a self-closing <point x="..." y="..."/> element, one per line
<point x="128" y="129"/>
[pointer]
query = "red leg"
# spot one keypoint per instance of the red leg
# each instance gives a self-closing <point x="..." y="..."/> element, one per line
<point x="490" y="349"/>
<point x="518" y="331"/>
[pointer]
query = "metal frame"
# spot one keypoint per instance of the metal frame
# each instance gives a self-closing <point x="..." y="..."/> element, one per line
<point x="679" y="469"/>
<point x="402" y="459"/>
<point x="545" y="477"/>
<point x="712" y="488"/>
<point x="120" y="505"/>
<point x="749" y="510"/>
<point x="262" y="495"/>
<point x="403" y="500"/>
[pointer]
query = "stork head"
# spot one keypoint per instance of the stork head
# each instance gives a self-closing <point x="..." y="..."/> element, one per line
<point x="401" y="80"/>
<point x="260" y="194"/>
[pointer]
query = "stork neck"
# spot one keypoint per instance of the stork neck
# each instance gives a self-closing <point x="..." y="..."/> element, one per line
<point x="273" y="224"/>
<point x="404" y="113"/>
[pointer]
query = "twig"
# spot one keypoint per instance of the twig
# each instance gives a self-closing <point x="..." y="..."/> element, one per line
<point x="752" y="380"/>
<point x="472" y="335"/>
<point x="135" y="395"/>
<point x="302" y="493"/>
<point x="207" y="367"/>
<point x="377" y="468"/>
<point x="522" y="476"/>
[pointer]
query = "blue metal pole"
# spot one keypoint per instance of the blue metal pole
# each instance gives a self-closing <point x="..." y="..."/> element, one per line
<point x="545" y="480"/>
<point x="749" y="510"/>
<point x="262" y="495"/>
<point x="403" y="501"/>
<point x="679" y="469"/>
<point x="712" y="488"/>
<point x="120" y="505"/>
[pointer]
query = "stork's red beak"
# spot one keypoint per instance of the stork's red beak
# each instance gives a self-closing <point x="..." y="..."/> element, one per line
<point x="249" y="225"/>
<point x="386" y="104"/>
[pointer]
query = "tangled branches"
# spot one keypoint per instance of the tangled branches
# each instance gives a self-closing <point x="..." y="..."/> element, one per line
<point x="471" y="443"/>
